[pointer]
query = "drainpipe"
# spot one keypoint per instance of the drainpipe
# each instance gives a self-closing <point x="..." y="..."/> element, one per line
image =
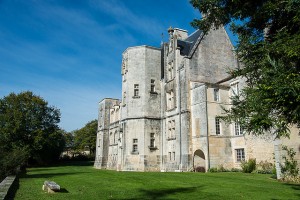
<point x="207" y="138"/>
<point x="179" y="108"/>
<point x="162" y="91"/>
<point x="162" y="126"/>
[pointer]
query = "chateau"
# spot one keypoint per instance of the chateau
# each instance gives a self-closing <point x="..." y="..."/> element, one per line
<point x="167" y="119"/>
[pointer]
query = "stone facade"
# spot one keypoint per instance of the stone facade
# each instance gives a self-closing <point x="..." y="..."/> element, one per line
<point x="167" y="117"/>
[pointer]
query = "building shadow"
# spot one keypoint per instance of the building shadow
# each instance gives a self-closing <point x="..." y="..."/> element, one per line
<point x="12" y="190"/>
<point x="161" y="193"/>
<point x="49" y="175"/>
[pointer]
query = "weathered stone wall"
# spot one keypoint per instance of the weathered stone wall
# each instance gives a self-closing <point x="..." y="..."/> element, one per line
<point x="213" y="58"/>
<point x="102" y="142"/>
<point x="167" y="121"/>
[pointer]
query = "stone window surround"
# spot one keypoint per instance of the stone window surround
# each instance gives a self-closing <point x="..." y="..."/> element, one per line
<point x="135" y="146"/>
<point x="171" y="130"/>
<point x="237" y="129"/>
<point x="136" y="91"/>
<point x="234" y="88"/>
<point x="216" y="93"/>
<point x="239" y="154"/>
<point x="152" y="142"/>
<point x="218" y="126"/>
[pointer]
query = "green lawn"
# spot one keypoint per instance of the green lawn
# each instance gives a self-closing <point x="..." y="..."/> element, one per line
<point x="85" y="182"/>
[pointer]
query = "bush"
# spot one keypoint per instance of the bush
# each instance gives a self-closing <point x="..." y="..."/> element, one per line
<point x="213" y="169"/>
<point x="265" y="167"/>
<point x="235" y="170"/>
<point x="11" y="161"/>
<point x="222" y="169"/>
<point x="78" y="157"/>
<point x="218" y="169"/>
<point x="291" y="179"/>
<point x="289" y="168"/>
<point x="200" y="169"/>
<point x="248" y="166"/>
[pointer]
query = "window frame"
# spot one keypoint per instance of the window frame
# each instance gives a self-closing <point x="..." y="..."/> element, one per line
<point x="240" y="154"/>
<point x="217" y="94"/>
<point x="136" y="88"/>
<point x="218" y="126"/>
<point x="152" y="86"/>
<point x="237" y="129"/>
<point x="135" y="147"/>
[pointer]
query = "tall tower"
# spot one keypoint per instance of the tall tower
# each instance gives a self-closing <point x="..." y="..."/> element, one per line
<point x="141" y="108"/>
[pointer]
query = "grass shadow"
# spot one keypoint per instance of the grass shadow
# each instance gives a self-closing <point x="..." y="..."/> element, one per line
<point x="49" y="175"/>
<point x="63" y="190"/>
<point x="162" y="193"/>
<point x="73" y="163"/>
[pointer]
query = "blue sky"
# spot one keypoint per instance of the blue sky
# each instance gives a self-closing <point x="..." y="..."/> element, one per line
<point x="69" y="51"/>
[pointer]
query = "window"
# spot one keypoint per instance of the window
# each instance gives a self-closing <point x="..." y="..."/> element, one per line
<point x="234" y="89"/>
<point x="170" y="155"/>
<point x="152" y="89"/>
<point x="171" y="129"/>
<point x="135" y="146"/>
<point x="115" y="137"/>
<point x="110" y="138"/>
<point x="152" y="140"/>
<point x="173" y="155"/>
<point x="240" y="155"/>
<point x="124" y="97"/>
<point x="237" y="129"/>
<point x="136" y="90"/>
<point x="218" y="126"/>
<point x="170" y="100"/>
<point x="170" y="71"/>
<point x="216" y="94"/>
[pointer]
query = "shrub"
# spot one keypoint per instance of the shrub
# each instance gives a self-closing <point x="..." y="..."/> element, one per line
<point x="12" y="160"/>
<point x="200" y="169"/>
<point x="291" y="179"/>
<point x="248" y="166"/>
<point x="213" y="169"/>
<point x="235" y="170"/>
<point x="265" y="167"/>
<point x="78" y="157"/>
<point x="222" y="169"/>
<point x="289" y="168"/>
<point x="218" y="169"/>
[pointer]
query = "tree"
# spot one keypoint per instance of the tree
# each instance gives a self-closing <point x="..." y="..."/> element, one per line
<point x="28" y="123"/>
<point x="69" y="146"/>
<point x="269" y="49"/>
<point x="85" y="138"/>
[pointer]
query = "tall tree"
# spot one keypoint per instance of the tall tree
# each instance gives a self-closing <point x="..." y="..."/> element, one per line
<point x="85" y="138"/>
<point x="26" y="121"/>
<point x="269" y="50"/>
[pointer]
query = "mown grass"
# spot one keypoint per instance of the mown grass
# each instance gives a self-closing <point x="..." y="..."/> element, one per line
<point x="85" y="182"/>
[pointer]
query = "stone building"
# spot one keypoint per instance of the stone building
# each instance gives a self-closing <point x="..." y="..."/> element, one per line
<point x="167" y="119"/>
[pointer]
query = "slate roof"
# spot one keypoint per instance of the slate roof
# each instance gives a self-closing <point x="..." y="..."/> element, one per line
<point x="187" y="45"/>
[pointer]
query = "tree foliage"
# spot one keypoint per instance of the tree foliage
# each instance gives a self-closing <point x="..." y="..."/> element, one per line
<point x="85" y="138"/>
<point x="28" y="123"/>
<point x="269" y="49"/>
